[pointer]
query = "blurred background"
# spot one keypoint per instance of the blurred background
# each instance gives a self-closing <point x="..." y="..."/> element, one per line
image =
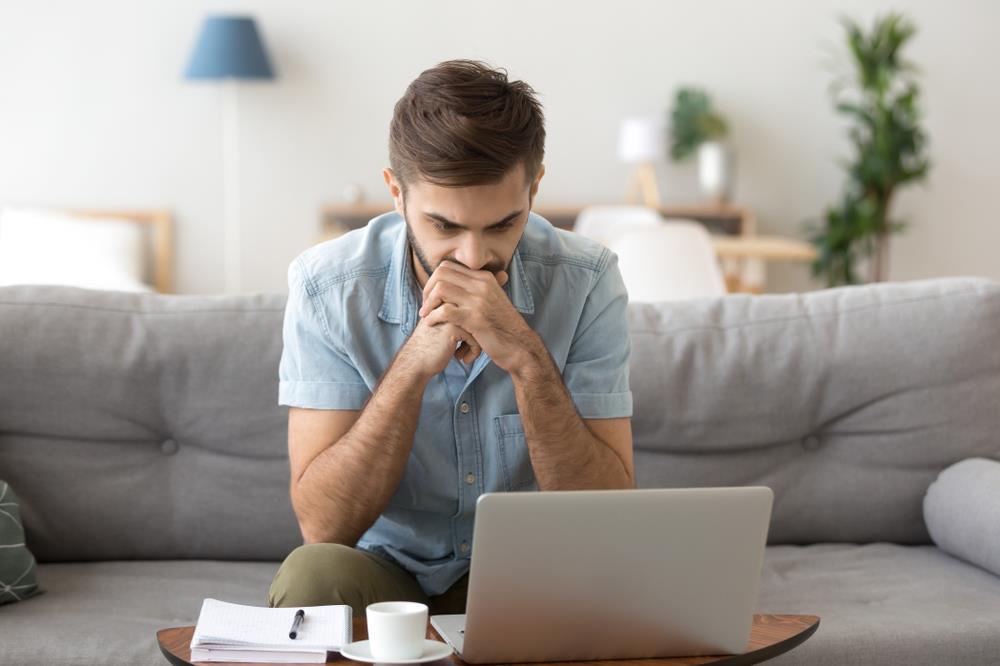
<point x="97" y="113"/>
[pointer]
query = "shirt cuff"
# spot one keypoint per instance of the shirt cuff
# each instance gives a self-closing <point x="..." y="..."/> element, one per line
<point x="322" y="395"/>
<point x="603" y="405"/>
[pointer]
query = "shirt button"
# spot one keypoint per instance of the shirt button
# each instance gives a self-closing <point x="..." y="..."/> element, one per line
<point x="464" y="547"/>
<point x="464" y="408"/>
<point x="470" y="478"/>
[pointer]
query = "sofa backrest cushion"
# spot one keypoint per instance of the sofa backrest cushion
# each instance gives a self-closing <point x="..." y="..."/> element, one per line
<point x="846" y="402"/>
<point x="145" y="426"/>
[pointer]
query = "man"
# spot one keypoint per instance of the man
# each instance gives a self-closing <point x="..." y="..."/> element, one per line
<point x="456" y="346"/>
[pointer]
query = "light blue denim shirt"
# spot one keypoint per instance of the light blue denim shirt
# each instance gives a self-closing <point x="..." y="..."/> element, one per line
<point x="353" y="302"/>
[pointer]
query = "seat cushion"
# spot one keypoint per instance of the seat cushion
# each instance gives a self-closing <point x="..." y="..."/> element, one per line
<point x="884" y="604"/>
<point x="878" y="603"/>
<point x="109" y="612"/>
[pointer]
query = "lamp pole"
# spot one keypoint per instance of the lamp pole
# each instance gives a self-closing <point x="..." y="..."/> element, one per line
<point x="230" y="48"/>
<point x="231" y="183"/>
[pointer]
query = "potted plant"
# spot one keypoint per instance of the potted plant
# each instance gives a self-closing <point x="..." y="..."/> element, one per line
<point x="887" y="143"/>
<point x="696" y="126"/>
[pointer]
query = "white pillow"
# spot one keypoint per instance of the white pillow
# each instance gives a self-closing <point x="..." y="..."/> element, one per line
<point x="39" y="246"/>
<point x="962" y="512"/>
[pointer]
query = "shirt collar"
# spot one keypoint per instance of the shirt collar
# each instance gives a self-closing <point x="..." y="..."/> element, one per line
<point x="400" y="300"/>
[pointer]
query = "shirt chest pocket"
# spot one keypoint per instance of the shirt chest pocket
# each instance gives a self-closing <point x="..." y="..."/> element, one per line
<point x="512" y="449"/>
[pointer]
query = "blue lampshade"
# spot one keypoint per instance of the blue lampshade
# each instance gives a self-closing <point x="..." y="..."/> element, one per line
<point x="229" y="47"/>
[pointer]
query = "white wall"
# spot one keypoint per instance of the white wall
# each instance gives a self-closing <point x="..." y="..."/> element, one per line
<point x="94" y="111"/>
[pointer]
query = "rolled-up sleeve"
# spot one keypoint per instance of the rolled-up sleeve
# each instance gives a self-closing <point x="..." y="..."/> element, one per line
<point x="314" y="371"/>
<point x="596" y="372"/>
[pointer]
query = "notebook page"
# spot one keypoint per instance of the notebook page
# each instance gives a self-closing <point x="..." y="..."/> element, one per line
<point x="224" y="623"/>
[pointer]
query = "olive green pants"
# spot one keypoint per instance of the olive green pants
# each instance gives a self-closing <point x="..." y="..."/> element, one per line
<point x="318" y="574"/>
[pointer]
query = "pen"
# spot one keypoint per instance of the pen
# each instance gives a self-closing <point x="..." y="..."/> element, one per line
<point x="299" y="616"/>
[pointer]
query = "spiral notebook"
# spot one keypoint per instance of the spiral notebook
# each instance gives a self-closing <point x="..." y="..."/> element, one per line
<point x="234" y="632"/>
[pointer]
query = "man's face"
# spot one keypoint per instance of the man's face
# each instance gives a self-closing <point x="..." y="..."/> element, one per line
<point x="477" y="226"/>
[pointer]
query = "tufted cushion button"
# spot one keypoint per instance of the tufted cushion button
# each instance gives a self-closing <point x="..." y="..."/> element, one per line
<point x="168" y="447"/>
<point x="810" y="443"/>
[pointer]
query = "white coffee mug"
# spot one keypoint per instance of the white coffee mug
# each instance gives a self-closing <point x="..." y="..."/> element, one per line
<point x="396" y="630"/>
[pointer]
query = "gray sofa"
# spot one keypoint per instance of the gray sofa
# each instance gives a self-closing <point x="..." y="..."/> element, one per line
<point x="143" y="437"/>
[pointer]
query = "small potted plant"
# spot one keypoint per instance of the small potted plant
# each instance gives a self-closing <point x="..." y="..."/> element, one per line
<point x="696" y="127"/>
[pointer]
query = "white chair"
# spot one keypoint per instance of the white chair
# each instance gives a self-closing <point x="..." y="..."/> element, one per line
<point x="605" y="224"/>
<point x="672" y="261"/>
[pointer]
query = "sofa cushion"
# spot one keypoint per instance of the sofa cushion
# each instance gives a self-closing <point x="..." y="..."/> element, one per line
<point x="962" y="511"/>
<point x="883" y="604"/>
<point x="846" y="402"/>
<point x="109" y="612"/>
<point x="17" y="565"/>
<point x="144" y="426"/>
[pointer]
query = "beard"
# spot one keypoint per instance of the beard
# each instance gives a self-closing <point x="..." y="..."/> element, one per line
<point x="417" y="250"/>
<point x="493" y="267"/>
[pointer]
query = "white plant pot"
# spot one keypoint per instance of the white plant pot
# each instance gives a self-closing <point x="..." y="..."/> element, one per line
<point x="716" y="166"/>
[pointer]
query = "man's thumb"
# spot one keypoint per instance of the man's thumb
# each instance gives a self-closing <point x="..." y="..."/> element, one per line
<point x="502" y="278"/>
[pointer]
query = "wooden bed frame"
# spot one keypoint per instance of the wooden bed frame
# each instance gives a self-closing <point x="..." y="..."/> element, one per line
<point x="161" y="226"/>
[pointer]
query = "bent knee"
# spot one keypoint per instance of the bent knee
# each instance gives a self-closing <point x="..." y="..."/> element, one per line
<point x="316" y="574"/>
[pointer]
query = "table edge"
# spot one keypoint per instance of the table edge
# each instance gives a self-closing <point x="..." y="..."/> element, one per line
<point x="752" y="657"/>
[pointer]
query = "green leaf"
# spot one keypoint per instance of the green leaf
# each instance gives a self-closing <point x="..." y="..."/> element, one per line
<point x="692" y="122"/>
<point x="887" y="145"/>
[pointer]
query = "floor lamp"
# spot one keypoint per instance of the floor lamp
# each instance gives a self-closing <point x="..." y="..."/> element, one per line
<point x="229" y="48"/>
<point x="640" y="142"/>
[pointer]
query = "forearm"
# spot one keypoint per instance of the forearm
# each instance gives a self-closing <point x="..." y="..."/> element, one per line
<point x="345" y="489"/>
<point x="565" y="454"/>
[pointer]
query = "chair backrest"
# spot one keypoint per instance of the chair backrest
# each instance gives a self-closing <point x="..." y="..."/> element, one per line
<point x="669" y="262"/>
<point x="605" y="224"/>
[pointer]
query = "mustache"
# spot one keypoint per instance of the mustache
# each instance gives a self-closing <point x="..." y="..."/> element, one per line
<point x="493" y="267"/>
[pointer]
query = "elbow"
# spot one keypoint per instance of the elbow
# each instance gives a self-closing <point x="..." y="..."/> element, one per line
<point x="318" y="528"/>
<point x="629" y="478"/>
<point x="310" y="530"/>
<point x="311" y="535"/>
<point x="315" y="532"/>
<point x="626" y="483"/>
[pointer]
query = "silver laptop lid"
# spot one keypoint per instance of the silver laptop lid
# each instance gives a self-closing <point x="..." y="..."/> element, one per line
<point x="575" y="575"/>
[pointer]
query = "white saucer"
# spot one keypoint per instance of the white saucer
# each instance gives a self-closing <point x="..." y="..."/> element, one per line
<point x="362" y="651"/>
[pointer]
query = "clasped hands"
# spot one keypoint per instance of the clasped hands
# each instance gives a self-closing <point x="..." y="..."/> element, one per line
<point x="466" y="312"/>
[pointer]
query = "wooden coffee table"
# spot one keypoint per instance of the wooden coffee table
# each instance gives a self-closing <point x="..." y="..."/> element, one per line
<point x="770" y="636"/>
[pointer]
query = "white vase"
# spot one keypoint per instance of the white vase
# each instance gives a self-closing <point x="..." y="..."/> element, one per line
<point x="716" y="166"/>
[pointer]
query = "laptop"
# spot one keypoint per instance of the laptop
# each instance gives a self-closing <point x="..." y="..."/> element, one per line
<point x="611" y="574"/>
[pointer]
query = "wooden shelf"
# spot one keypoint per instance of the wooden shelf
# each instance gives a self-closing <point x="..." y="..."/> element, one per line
<point x="733" y="229"/>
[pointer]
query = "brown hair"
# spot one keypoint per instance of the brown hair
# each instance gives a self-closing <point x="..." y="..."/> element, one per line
<point x="463" y="123"/>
